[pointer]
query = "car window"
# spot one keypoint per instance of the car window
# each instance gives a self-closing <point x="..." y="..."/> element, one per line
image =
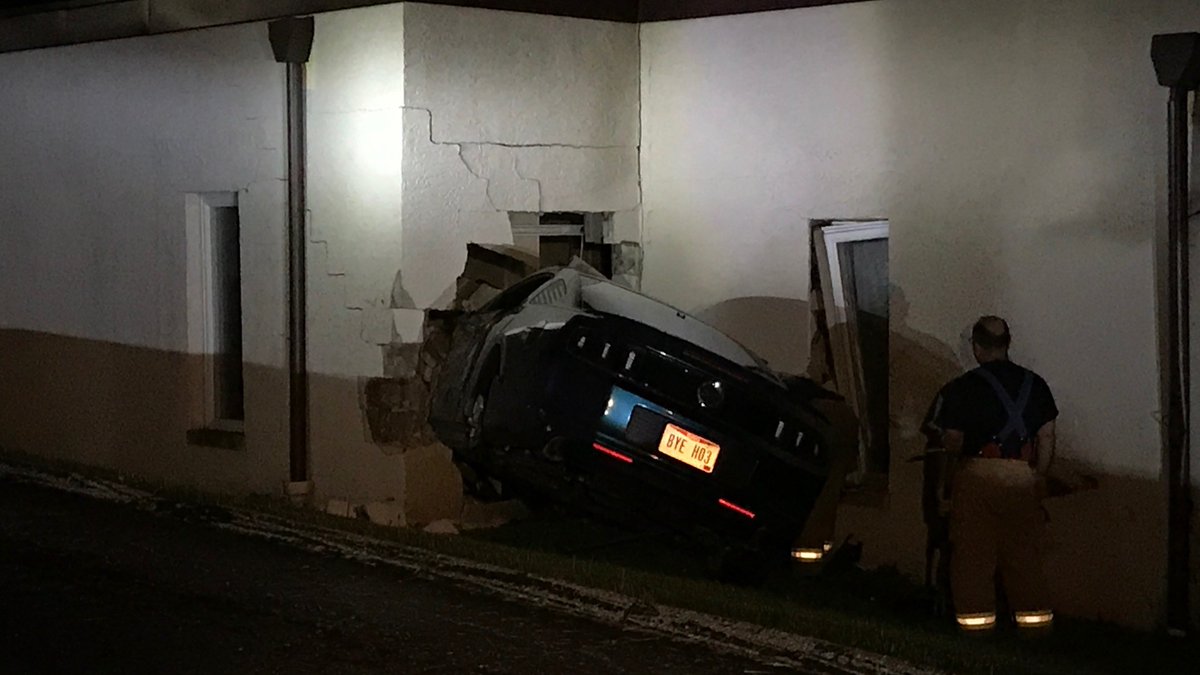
<point x="517" y="293"/>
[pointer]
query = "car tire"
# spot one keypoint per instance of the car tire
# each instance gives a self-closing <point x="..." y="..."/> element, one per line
<point x="483" y="390"/>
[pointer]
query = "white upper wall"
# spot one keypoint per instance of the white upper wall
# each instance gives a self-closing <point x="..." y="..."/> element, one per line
<point x="355" y="148"/>
<point x="509" y="112"/>
<point x="1018" y="149"/>
<point x="100" y="143"/>
<point x="521" y="79"/>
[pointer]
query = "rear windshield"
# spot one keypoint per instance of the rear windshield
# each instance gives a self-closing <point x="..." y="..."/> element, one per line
<point x="607" y="297"/>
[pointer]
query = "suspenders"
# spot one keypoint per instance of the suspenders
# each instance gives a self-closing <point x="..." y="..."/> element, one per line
<point x="1014" y="428"/>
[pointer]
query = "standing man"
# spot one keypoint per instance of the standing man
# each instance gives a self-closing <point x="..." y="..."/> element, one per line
<point x="999" y="421"/>
<point x="936" y="482"/>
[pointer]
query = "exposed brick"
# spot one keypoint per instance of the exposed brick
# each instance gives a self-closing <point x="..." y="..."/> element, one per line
<point x="400" y="360"/>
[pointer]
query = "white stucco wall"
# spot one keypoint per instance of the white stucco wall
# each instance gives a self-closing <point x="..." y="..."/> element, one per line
<point x="100" y="144"/>
<point x="1018" y="149"/>
<point x="355" y="98"/>
<point x="509" y="112"/>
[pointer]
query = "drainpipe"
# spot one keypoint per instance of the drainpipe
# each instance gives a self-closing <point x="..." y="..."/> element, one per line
<point x="1176" y="59"/>
<point x="291" y="40"/>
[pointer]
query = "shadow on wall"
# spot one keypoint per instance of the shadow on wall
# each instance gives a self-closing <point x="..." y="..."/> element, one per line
<point x="774" y="328"/>
<point x="889" y="518"/>
<point x="918" y="365"/>
<point x="777" y="329"/>
<point x="130" y="409"/>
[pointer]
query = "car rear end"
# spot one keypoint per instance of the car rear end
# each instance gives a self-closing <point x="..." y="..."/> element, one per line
<point x="681" y="436"/>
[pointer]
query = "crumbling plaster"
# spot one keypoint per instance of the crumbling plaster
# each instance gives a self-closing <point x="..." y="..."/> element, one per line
<point x="427" y="124"/>
<point x="473" y="113"/>
<point x="510" y="112"/>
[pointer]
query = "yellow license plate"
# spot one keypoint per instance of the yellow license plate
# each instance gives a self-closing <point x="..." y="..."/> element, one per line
<point x="689" y="448"/>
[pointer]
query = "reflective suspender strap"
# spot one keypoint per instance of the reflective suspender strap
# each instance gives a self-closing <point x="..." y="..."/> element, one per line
<point x="1014" y="409"/>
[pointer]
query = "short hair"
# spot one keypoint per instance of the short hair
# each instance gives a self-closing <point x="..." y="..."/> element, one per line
<point x="991" y="332"/>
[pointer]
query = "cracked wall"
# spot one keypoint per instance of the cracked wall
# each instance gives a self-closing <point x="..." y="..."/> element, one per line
<point x="510" y="112"/>
<point x="427" y="125"/>
<point x="504" y="112"/>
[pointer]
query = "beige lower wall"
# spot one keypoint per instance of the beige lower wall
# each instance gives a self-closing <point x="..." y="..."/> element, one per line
<point x="128" y="409"/>
<point x="1105" y="554"/>
<point x="344" y="463"/>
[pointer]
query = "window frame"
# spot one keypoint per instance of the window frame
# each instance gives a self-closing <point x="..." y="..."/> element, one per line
<point x="849" y="377"/>
<point x="201" y="306"/>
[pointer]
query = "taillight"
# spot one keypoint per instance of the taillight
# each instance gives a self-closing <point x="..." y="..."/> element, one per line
<point x="735" y="508"/>
<point x="613" y="453"/>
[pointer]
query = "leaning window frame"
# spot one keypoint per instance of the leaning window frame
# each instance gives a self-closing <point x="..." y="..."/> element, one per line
<point x="848" y="373"/>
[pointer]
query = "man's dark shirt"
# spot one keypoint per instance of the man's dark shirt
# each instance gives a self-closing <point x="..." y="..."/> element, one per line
<point x="970" y="405"/>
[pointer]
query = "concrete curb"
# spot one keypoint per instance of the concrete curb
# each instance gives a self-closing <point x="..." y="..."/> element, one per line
<point x="777" y="647"/>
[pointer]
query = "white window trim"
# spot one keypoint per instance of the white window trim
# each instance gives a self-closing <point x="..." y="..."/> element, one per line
<point x="847" y="364"/>
<point x="198" y="207"/>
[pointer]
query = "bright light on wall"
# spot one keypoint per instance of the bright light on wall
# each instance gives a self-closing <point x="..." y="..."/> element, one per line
<point x="378" y="138"/>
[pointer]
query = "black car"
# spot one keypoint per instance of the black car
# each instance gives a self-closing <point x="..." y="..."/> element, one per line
<point x="570" y="387"/>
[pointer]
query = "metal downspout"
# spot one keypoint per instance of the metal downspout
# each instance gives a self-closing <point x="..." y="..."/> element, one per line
<point x="1179" y="415"/>
<point x="1176" y="58"/>
<point x="291" y="40"/>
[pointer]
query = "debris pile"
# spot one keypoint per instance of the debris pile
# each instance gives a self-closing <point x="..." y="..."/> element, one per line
<point x="490" y="269"/>
<point x="396" y="406"/>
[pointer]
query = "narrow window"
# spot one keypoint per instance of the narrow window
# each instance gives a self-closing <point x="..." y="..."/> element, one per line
<point x="215" y="309"/>
<point x="226" y="298"/>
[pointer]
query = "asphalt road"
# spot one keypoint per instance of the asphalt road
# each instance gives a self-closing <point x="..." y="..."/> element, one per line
<point x="88" y="586"/>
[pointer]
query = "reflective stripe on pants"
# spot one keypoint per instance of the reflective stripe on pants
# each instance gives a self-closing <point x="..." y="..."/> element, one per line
<point x="977" y="621"/>
<point x="1035" y="619"/>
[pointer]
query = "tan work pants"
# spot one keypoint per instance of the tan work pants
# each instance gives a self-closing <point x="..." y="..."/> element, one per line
<point x="996" y="524"/>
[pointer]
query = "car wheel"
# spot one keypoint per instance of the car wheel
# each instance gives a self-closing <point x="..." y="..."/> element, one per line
<point x="475" y="415"/>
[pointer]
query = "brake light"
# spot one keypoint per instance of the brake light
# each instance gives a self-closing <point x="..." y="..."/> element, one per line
<point x="613" y="453"/>
<point x="734" y="507"/>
